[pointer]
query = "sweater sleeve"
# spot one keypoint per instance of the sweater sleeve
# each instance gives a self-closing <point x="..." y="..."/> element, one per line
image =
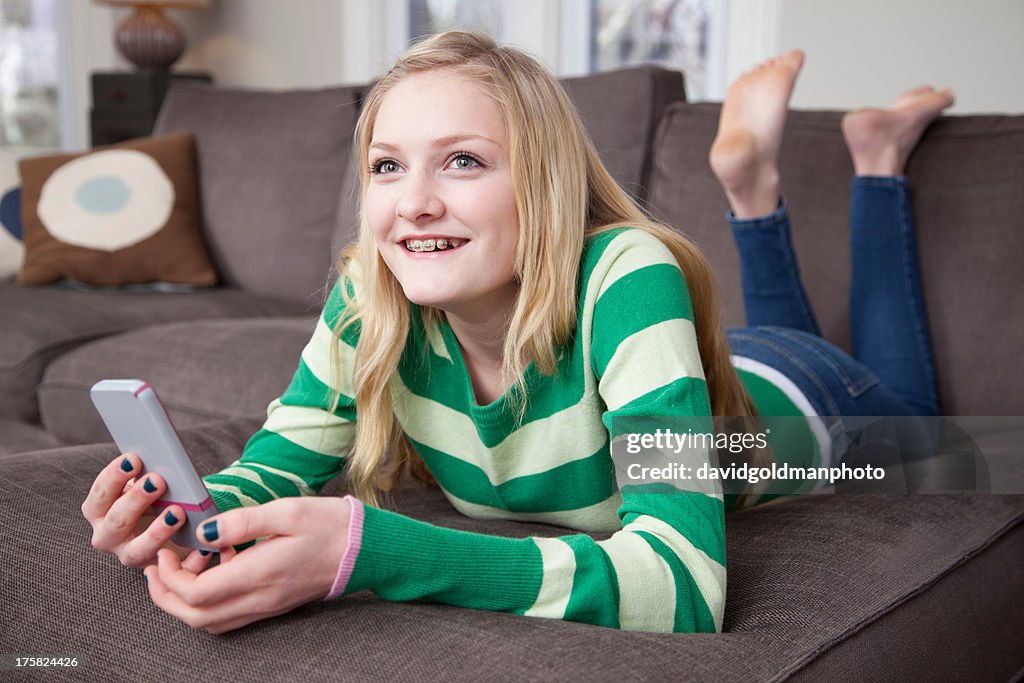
<point x="305" y="439"/>
<point x="665" y="570"/>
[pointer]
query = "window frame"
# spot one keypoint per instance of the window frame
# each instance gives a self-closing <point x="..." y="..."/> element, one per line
<point x="563" y="43"/>
<point x="65" y="122"/>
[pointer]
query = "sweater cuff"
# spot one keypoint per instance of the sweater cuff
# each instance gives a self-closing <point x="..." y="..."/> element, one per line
<point x="353" y="544"/>
<point x="401" y="558"/>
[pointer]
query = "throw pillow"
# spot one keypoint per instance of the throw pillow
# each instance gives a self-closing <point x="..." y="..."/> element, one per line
<point x="10" y="212"/>
<point x="116" y="215"/>
<point x="11" y="250"/>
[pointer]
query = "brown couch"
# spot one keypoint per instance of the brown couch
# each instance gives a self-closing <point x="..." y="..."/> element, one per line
<point x="864" y="586"/>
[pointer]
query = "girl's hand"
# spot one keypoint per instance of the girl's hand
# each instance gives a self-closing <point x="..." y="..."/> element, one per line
<point x="296" y="564"/>
<point x="118" y="508"/>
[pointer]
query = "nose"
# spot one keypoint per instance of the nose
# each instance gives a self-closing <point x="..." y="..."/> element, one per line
<point x="420" y="200"/>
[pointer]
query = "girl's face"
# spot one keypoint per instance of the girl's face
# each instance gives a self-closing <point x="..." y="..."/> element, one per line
<point x="440" y="201"/>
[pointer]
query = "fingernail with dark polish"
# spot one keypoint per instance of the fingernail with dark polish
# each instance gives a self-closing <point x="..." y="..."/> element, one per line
<point x="204" y="553"/>
<point x="145" y="578"/>
<point x="170" y="519"/>
<point x="126" y="465"/>
<point x="210" y="531"/>
<point x="147" y="486"/>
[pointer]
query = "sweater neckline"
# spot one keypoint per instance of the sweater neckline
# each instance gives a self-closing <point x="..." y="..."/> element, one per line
<point x="499" y="406"/>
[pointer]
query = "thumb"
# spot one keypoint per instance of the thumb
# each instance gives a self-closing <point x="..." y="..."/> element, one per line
<point x="241" y="525"/>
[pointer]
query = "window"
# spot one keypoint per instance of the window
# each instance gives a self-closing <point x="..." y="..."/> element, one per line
<point x="436" y="16"/>
<point x="576" y="37"/>
<point x="673" y="33"/>
<point x="29" y="74"/>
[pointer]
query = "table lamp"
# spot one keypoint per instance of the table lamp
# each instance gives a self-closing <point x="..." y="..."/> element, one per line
<point x="148" y="38"/>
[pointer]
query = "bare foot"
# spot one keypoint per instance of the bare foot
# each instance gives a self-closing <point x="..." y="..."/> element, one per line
<point x="881" y="140"/>
<point x="745" y="153"/>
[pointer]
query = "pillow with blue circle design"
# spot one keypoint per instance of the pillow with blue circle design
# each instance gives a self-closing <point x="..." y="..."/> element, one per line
<point x="118" y="215"/>
<point x="10" y="212"/>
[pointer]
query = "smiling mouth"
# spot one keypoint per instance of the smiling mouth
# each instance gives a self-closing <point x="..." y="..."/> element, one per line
<point x="439" y="244"/>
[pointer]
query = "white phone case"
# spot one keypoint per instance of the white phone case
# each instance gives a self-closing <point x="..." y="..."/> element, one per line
<point x="139" y="424"/>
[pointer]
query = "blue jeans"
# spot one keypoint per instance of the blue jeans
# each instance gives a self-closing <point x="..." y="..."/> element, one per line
<point x="891" y="371"/>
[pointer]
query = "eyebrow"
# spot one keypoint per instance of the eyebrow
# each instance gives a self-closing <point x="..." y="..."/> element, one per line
<point x="446" y="141"/>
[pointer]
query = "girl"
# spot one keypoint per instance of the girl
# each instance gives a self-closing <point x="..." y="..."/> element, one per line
<point x="505" y="310"/>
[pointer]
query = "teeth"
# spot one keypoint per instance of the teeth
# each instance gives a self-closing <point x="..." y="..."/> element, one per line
<point x="439" y="244"/>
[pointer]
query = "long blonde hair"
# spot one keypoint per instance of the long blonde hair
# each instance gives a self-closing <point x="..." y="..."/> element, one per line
<point x="563" y="194"/>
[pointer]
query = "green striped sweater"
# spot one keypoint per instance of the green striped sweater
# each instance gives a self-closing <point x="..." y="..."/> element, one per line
<point x="634" y="353"/>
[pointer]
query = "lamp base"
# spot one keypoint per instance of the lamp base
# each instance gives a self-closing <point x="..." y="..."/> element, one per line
<point x="149" y="40"/>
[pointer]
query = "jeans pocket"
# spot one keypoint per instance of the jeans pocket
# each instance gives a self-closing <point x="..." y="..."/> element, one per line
<point x="854" y="377"/>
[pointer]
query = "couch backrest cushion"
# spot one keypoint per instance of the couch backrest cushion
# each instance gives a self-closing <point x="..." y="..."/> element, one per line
<point x="270" y="168"/>
<point x="621" y="110"/>
<point x="966" y="184"/>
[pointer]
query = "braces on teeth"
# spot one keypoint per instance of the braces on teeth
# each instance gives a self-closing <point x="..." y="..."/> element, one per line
<point x="432" y="244"/>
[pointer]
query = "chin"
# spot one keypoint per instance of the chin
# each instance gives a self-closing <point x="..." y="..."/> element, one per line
<point x="424" y="296"/>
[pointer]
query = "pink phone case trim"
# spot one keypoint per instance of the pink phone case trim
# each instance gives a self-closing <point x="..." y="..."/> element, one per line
<point x="201" y="507"/>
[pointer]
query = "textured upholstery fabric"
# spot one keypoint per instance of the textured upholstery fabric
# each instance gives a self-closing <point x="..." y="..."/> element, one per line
<point x="969" y="213"/>
<point x="806" y="577"/>
<point x="202" y="370"/>
<point x="18" y="437"/>
<point x="621" y="110"/>
<point x="41" y="323"/>
<point x="346" y="228"/>
<point x="271" y="166"/>
<point x="889" y="650"/>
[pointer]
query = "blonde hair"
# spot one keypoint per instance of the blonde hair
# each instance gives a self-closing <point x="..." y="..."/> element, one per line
<point x="563" y="194"/>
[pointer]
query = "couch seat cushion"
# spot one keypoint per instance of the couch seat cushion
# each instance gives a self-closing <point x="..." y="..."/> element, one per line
<point x="922" y="587"/>
<point x="40" y="323"/>
<point x="203" y="370"/>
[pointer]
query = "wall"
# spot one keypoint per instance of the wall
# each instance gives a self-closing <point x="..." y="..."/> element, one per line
<point x="91" y="37"/>
<point x="859" y="54"/>
<point x="866" y="52"/>
<point x="267" y="43"/>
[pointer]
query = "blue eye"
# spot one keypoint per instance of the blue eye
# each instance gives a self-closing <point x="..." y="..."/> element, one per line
<point x="384" y="166"/>
<point x="464" y="160"/>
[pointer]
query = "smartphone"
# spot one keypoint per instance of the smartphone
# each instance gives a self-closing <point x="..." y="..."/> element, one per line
<point x="139" y="424"/>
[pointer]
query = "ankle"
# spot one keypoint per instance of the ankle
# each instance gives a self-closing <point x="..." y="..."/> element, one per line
<point x="880" y="162"/>
<point x="755" y="200"/>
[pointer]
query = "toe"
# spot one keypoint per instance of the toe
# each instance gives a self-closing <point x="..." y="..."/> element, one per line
<point x="794" y="58"/>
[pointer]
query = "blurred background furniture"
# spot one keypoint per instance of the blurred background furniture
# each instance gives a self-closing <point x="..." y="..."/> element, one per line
<point x="125" y="104"/>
